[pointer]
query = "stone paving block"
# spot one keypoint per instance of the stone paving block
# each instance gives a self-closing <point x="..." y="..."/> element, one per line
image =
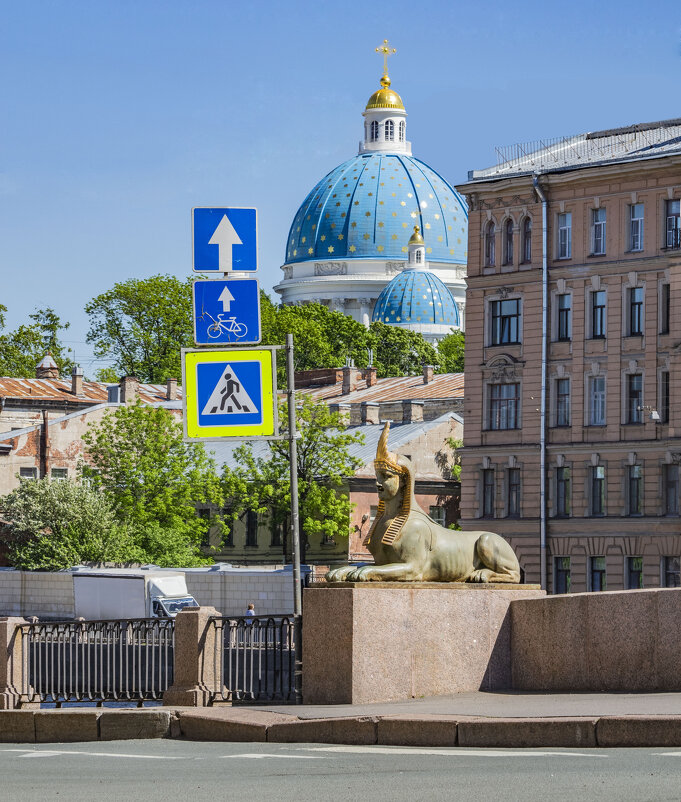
<point x="17" y="727"/>
<point x="228" y="724"/>
<point x="417" y="730"/>
<point x="526" y="732"/>
<point x="639" y="731"/>
<point x="66" y="726"/>
<point x="351" y="730"/>
<point x="126" y="725"/>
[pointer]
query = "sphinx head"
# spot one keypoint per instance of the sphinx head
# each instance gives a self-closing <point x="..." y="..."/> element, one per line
<point x="393" y="471"/>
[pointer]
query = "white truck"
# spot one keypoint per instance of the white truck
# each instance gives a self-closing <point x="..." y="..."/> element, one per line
<point x="108" y="593"/>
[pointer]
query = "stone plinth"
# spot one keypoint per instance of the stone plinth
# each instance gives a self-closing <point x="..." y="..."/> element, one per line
<point x="377" y="642"/>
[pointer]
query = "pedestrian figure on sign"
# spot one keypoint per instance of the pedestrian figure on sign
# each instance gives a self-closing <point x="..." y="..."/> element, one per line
<point x="229" y="396"/>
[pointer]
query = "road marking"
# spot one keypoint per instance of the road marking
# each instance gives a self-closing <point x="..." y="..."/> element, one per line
<point x="61" y="752"/>
<point x="257" y="756"/>
<point x="456" y="752"/>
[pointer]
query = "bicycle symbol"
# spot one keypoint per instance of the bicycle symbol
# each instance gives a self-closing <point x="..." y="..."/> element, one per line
<point x="222" y="326"/>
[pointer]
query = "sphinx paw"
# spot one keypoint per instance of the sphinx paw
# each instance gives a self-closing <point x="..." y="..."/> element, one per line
<point x="481" y="575"/>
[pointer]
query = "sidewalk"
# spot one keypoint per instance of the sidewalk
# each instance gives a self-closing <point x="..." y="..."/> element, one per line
<point x="505" y="719"/>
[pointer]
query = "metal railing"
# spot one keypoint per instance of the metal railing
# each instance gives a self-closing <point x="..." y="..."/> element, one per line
<point x="96" y="661"/>
<point x="254" y="659"/>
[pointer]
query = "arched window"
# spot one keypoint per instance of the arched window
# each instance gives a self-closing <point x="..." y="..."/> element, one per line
<point x="508" y="242"/>
<point x="374" y="131"/>
<point x="389" y="131"/>
<point x="490" y="251"/>
<point x="419" y="256"/>
<point x="527" y="241"/>
<point x="402" y="129"/>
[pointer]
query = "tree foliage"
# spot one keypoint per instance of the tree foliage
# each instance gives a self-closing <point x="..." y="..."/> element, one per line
<point x="136" y="455"/>
<point x="23" y="348"/>
<point x="141" y="324"/>
<point x="57" y="524"/>
<point x="450" y="352"/>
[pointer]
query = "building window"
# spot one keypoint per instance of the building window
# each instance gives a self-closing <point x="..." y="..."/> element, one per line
<point x="665" y="307"/>
<point x="598" y="324"/>
<point x="505" y="322"/>
<point x="636" y="227"/>
<point x="389" y="131"/>
<point x="527" y="241"/>
<point x="276" y="532"/>
<point x="672" y="572"/>
<point x="418" y="256"/>
<point x="564" y="316"/>
<point x="671" y="489"/>
<point x="251" y="528"/>
<point x="374" y="131"/>
<point x="663" y="406"/>
<point x="508" y="242"/>
<point x="598" y="232"/>
<point x="598" y="490"/>
<point x="402" y="130"/>
<point x="634" y="573"/>
<point x="490" y="247"/>
<point x="562" y="402"/>
<point x="597" y="401"/>
<point x="635" y="311"/>
<point x="59" y="473"/>
<point x="597" y="574"/>
<point x="634" y="398"/>
<point x="673" y="229"/>
<point x="488" y="493"/>
<point x="503" y="406"/>
<point x="28" y="473"/>
<point x="563" y="492"/>
<point x="438" y="515"/>
<point x="634" y="489"/>
<point x="565" y="235"/>
<point x="562" y="575"/>
<point x="513" y="489"/>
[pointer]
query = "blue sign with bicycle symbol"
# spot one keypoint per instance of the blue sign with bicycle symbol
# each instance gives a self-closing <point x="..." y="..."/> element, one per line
<point x="227" y="311"/>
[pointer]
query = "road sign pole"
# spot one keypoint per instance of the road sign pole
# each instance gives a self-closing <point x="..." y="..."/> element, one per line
<point x="295" y="522"/>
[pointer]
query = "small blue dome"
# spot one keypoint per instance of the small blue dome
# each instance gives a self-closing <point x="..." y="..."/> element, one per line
<point x="367" y="207"/>
<point x="416" y="297"/>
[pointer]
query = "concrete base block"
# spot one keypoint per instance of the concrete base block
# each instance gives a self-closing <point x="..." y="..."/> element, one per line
<point x="379" y="642"/>
<point x="129" y="724"/>
<point x="17" y="727"/>
<point x="360" y="730"/>
<point x="229" y="725"/>
<point x="66" y="726"/>
<point x="643" y="731"/>
<point x="518" y="732"/>
<point x="417" y="731"/>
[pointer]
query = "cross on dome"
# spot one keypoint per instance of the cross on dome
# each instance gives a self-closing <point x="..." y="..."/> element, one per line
<point x="385" y="50"/>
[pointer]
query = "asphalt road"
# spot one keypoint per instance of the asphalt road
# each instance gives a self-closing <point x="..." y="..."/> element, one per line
<point x="183" y="770"/>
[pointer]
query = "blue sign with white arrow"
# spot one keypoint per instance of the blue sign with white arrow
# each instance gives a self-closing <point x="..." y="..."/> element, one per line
<point x="224" y="240"/>
<point x="226" y="311"/>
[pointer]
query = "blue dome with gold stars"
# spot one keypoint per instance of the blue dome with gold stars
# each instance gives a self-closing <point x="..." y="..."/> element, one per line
<point x="364" y="208"/>
<point x="416" y="298"/>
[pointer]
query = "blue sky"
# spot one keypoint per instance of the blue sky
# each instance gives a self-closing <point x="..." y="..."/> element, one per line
<point x="119" y="116"/>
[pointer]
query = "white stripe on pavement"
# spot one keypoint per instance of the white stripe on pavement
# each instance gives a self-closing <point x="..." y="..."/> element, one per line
<point x="256" y="756"/>
<point x="454" y="752"/>
<point x="59" y="753"/>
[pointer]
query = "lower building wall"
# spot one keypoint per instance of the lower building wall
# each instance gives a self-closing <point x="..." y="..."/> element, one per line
<point x="45" y="595"/>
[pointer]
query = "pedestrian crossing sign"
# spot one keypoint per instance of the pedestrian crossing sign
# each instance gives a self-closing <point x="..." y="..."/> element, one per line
<point x="229" y="393"/>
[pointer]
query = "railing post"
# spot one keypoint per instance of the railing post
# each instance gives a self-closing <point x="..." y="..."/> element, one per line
<point x="194" y="680"/>
<point x="11" y="663"/>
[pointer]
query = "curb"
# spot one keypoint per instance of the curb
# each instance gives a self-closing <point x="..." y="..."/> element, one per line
<point x="239" y="725"/>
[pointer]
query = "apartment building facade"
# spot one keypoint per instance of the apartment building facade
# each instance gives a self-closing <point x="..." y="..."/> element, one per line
<point x="573" y="358"/>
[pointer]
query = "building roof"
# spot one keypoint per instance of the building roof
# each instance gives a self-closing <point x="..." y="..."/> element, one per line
<point x="60" y="390"/>
<point x="364" y="208"/>
<point x="416" y="297"/>
<point x="632" y="143"/>
<point x="396" y="388"/>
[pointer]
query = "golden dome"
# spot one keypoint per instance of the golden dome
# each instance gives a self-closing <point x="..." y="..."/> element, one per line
<point x="385" y="97"/>
<point x="416" y="238"/>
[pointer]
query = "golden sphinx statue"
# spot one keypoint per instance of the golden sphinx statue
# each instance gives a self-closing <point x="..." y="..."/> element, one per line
<point x="408" y="546"/>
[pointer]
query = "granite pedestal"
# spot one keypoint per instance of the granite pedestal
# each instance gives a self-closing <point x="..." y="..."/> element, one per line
<point x="379" y="642"/>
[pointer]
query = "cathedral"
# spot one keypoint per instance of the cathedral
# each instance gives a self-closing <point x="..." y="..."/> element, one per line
<point x="382" y="236"/>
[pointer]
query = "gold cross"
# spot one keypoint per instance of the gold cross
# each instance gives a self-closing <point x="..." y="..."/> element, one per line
<point x="386" y="51"/>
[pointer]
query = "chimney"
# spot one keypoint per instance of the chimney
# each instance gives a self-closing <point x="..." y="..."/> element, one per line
<point x="341" y="409"/>
<point x="370" y="412"/>
<point x="370" y="376"/>
<point x="171" y="390"/>
<point x="130" y="389"/>
<point x="77" y="380"/>
<point x="351" y="377"/>
<point x="412" y="411"/>
<point x="428" y="373"/>
<point x="47" y="368"/>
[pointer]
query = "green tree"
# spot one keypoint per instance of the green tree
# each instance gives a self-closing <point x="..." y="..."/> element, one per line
<point x="23" y="348"/>
<point x="137" y="456"/>
<point x="400" y="352"/>
<point x="141" y="324"/>
<point x="323" y="464"/>
<point x="450" y="351"/>
<point x="56" y="524"/>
